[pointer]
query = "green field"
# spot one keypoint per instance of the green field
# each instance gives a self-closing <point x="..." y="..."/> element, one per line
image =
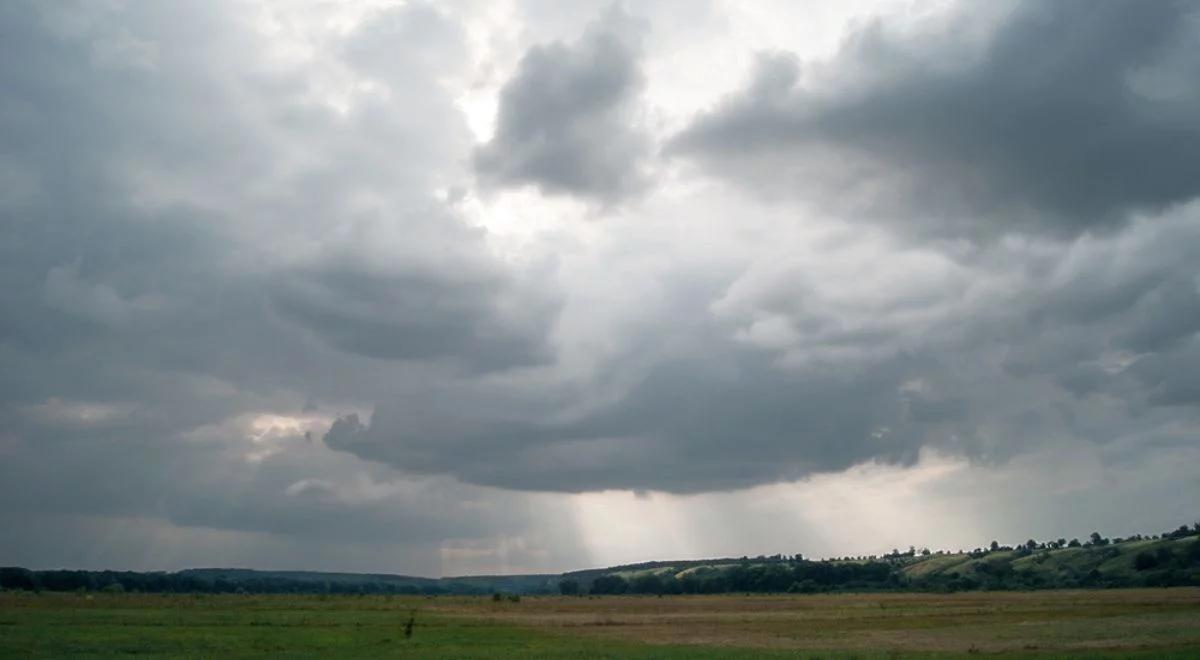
<point x="1110" y="623"/>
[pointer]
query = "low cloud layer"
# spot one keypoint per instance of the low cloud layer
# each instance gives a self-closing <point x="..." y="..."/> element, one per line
<point x="436" y="289"/>
<point x="865" y="351"/>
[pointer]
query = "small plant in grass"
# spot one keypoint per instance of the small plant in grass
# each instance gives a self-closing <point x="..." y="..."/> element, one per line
<point x="408" y="627"/>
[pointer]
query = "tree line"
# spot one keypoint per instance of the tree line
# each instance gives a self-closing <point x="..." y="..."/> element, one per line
<point x="17" y="578"/>
<point x="1161" y="565"/>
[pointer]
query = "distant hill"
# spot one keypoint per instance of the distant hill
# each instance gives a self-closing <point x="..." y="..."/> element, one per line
<point x="1169" y="559"/>
<point x="467" y="584"/>
<point x="1172" y="558"/>
<point x="233" y="580"/>
<point x="1138" y="562"/>
<point x="243" y="574"/>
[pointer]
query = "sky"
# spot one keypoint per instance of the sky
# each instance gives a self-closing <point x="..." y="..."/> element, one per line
<point x="530" y="286"/>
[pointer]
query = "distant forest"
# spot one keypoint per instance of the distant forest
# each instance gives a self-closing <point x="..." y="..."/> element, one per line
<point x="1169" y="559"/>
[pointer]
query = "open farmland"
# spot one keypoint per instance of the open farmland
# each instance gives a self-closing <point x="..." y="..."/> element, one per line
<point x="1116" y="623"/>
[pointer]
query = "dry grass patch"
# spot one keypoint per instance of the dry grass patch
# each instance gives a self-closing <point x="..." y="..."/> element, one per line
<point x="1143" y="619"/>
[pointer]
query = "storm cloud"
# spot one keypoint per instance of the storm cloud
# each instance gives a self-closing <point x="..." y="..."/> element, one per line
<point x="792" y="369"/>
<point x="1063" y="117"/>
<point x="173" y="274"/>
<point x="568" y="118"/>
<point x="433" y="289"/>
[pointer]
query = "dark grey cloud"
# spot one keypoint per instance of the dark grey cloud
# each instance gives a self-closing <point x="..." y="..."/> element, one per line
<point x="567" y="121"/>
<point x="685" y="426"/>
<point x="195" y="242"/>
<point x="247" y="304"/>
<point x="410" y="316"/>
<point x="427" y="294"/>
<point x="96" y="257"/>
<point x="980" y="355"/>
<point x="1067" y="116"/>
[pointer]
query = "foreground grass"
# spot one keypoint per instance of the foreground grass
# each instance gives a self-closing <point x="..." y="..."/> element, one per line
<point x="1121" y="623"/>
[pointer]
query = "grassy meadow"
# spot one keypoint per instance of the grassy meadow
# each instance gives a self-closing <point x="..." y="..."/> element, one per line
<point x="1108" y="623"/>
